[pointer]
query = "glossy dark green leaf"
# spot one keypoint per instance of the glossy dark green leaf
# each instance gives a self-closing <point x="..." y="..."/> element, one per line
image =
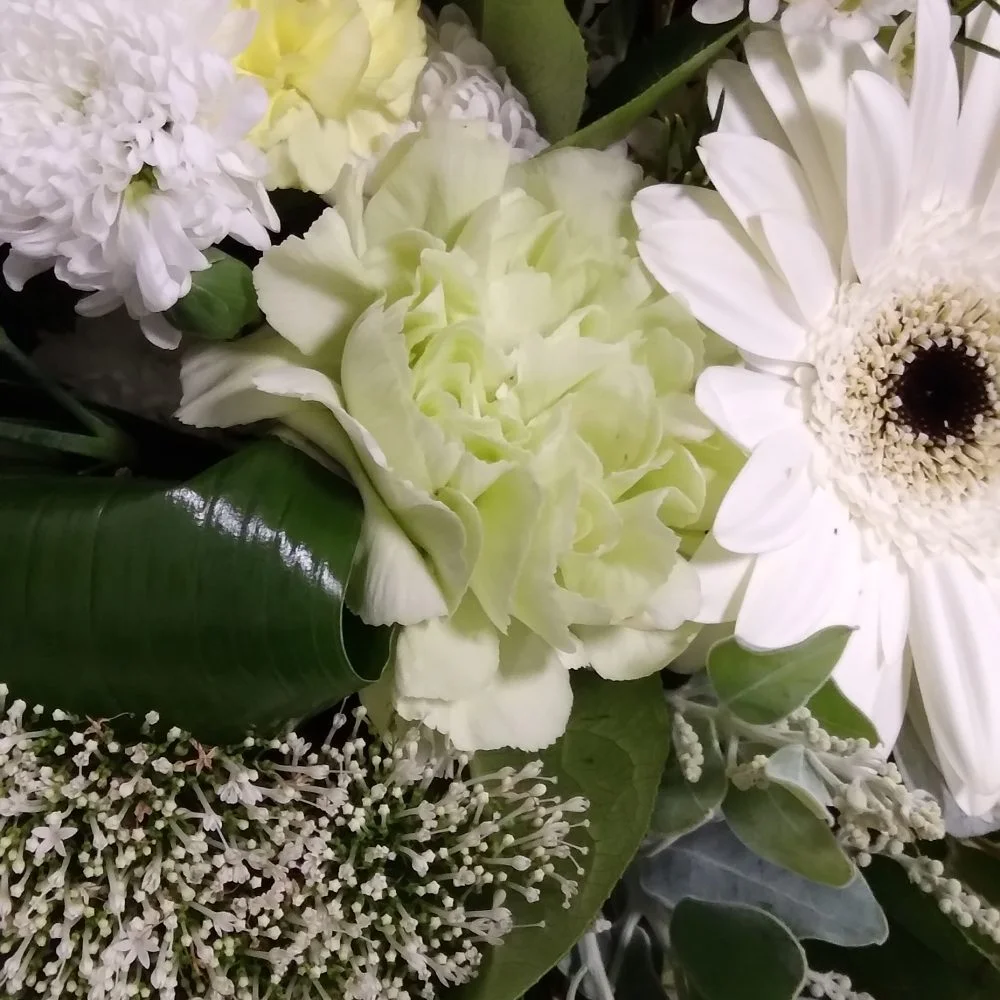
<point x="775" y="824"/>
<point x="218" y="602"/>
<point x="542" y="49"/>
<point x="682" y="805"/>
<point x="763" y="687"/>
<point x="634" y="89"/>
<point x="733" y="952"/>
<point x="613" y="753"/>
<point x="840" y="717"/>
<point x="926" y="955"/>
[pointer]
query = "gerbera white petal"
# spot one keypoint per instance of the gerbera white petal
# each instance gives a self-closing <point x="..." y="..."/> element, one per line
<point x="814" y="579"/>
<point x="768" y="504"/>
<point x="747" y="405"/>
<point x="975" y="157"/>
<point x="727" y="286"/>
<point x="716" y="11"/>
<point x="896" y="378"/>
<point x="122" y="152"/>
<point x="933" y="105"/>
<point x="879" y="138"/>
<point x="743" y="110"/>
<point x="722" y="580"/>
<point x="955" y="635"/>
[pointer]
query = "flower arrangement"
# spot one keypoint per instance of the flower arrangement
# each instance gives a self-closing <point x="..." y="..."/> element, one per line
<point x="497" y="500"/>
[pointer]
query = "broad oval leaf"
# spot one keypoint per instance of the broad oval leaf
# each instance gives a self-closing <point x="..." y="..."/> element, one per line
<point x="682" y="805"/>
<point x="773" y="823"/>
<point x="218" y="603"/>
<point x="635" y="88"/>
<point x="715" y="865"/>
<point x="735" y="952"/>
<point x="839" y="716"/>
<point x="763" y="687"/>
<point x="541" y="48"/>
<point x="613" y="753"/>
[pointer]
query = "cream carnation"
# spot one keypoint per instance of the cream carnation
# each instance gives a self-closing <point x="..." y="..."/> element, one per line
<point x="480" y="346"/>
<point x="340" y="75"/>
<point x="122" y="151"/>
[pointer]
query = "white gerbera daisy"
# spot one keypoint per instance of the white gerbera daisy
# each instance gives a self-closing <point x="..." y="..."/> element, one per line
<point x="851" y="250"/>
<point x="858" y="20"/>
<point x="122" y="152"/>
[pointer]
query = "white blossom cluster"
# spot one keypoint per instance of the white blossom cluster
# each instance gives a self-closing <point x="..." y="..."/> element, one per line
<point x="876" y="813"/>
<point x="964" y="906"/>
<point x="831" y="986"/>
<point x="355" y="870"/>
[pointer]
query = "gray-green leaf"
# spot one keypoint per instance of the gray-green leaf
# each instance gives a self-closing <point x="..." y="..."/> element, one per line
<point x="840" y="717"/>
<point x="681" y="805"/>
<point x="773" y="823"/>
<point x="713" y="864"/>
<point x="763" y="687"/>
<point x="792" y="768"/>
<point x="735" y="952"/>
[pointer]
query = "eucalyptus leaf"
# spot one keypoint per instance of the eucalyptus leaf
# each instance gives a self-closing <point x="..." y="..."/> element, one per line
<point x="840" y="717"/>
<point x="773" y="823"/>
<point x="682" y="805"/>
<point x="633" y="90"/>
<point x="613" y="753"/>
<point x="713" y="864"/>
<point x="542" y="49"/>
<point x="733" y="952"/>
<point x="219" y="602"/>
<point x="764" y="687"/>
<point x="791" y="767"/>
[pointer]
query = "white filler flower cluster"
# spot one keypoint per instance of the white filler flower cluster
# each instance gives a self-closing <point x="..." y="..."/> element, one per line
<point x="165" y="869"/>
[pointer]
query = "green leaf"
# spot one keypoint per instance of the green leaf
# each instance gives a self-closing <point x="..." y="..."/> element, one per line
<point x="541" y="48"/>
<point x="733" y="952"/>
<point x="713" y="864"/>
<point x="222" y="300"/>
<point x="840" y="717"/>
<point x="772" y="822"/>
<point x="634" y="89"/>
<point x="926" y="955"/>
<point x="763" y="687"/>
<point x="218" y="603"/>
<point x="681" y="805"/>
<point x="613" y="752"/>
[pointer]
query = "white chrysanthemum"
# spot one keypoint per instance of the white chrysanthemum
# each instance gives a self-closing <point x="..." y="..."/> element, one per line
<point x="462" y="81"/>
<point x="851" y="250"/>
<point x="122" y="152"/>
<point x="856" y="20"/>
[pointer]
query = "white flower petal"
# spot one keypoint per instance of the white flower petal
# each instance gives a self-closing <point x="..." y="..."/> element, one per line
<point x="727" y="288"/>
<point x="804" y="259"/>
<point x="448" y="658"/>
<point x="768" y="504"/>
<point x="954" y="638"/>
<point x="810" y="584"/>
<point x="772" y="68"/>
<point x="933" y="103"/>
<point x="747" y="406"/>
<point x="722" y="581"/>
<point x="673" y="603"/>
<point x="745" y="110"/>
<point x="878" y="164"/>
<point x="620" y="653"/>
<point x="975" y="161"/>
<point x="716" y="11"/>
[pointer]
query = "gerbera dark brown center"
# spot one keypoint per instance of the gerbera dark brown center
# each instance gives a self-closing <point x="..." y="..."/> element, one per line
<point x="942" y="391"/>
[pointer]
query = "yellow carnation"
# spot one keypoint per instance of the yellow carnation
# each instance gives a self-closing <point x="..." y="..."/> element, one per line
<point x="340" y="75"/>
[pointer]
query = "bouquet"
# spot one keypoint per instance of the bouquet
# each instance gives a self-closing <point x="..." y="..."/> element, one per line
<point x="496" y="500"/>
